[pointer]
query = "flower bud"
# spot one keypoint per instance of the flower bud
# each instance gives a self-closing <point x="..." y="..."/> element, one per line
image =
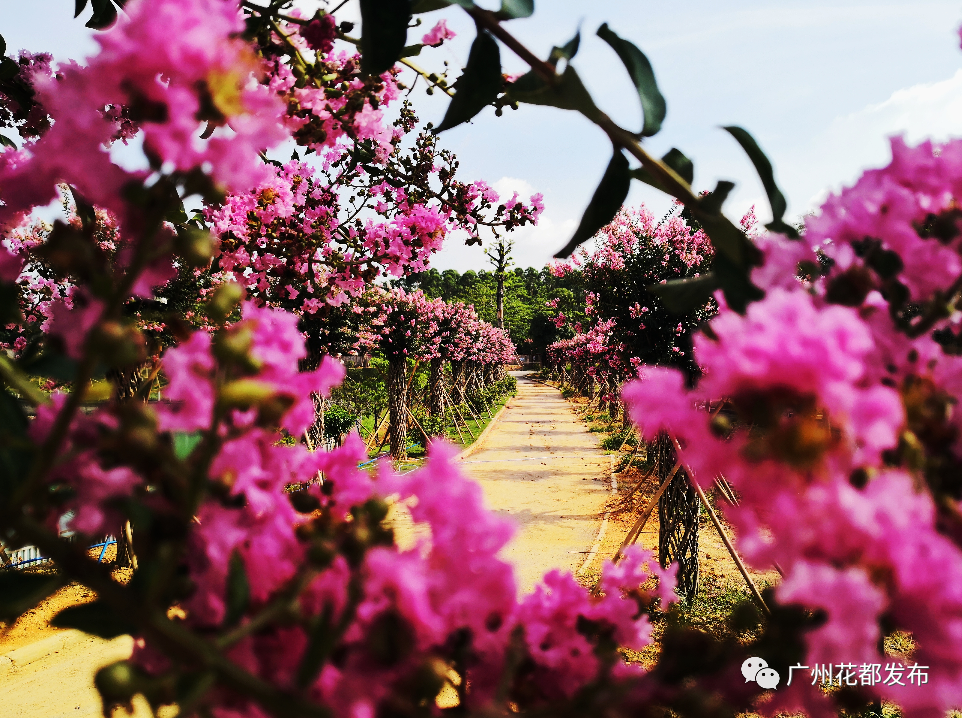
<point x="119" y="344"/>
<point x="224" y="301"/>
<point x="233" y="346"/>
<point x="195" y="246"/>
<point x="117" y="684"/>
<point x="244" y="393"/>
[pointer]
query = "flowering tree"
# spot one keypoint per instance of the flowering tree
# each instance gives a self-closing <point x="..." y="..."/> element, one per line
<point x="631" y="325"/>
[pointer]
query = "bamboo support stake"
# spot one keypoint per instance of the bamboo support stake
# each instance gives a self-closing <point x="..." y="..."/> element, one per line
<point x="731" y="549"/>
<point x="458" y="412"/>
<point x="727" y="541"/>
<point x="377" y="428"/>
<point x="444" y="397"/>
<point x="636" y="529"/>
<point x="418" y="425"/>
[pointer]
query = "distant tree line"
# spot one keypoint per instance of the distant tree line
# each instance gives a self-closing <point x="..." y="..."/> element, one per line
<point x="534" y="298"/>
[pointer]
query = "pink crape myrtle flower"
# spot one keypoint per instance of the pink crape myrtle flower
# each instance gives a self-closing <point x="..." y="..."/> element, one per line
<point x="438" y="34"/>
<point x="207" y="72"/>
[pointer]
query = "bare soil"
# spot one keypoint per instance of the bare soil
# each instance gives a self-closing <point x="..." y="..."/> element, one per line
<point x="48" y="672"/>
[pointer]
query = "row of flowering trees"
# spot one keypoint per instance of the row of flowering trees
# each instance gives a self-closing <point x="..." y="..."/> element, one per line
<point x="838" y="376"/>
<point x="404" y="326"/>
<point x="625" y="324"/>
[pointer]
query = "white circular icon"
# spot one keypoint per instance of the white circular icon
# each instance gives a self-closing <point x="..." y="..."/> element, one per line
<point x="752" y="666"/>
<point x="767" y="678"/>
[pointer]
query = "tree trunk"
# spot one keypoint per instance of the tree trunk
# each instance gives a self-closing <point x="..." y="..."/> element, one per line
<point x="398" y="404"/>
<point x="500" y="297"/>
<point x="458" y="369"/>
<point x="126" y="382"/>
<point x="436" y="381"/>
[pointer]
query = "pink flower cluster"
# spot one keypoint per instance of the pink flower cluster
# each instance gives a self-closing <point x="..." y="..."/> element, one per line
<point x="809" y="409"/>
<point x="179" y="67"/>
<point x="409" y="324"/>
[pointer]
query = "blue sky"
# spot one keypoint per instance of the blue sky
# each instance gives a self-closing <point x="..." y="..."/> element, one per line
<point x="819" y="84"/>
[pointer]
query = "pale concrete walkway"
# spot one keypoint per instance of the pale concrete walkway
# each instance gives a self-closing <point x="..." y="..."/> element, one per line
<point x="541" y="467"/>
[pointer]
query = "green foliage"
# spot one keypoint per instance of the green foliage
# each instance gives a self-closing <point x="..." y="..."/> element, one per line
<point x="478" y="86"/>
<point x="767" y="175"/>
<point x="605" y="202"/>
<point x="384" y="31"/>
<point x="104" y="15"/>
<point x="338" y="420"/>
<point x="97" y="619"/>
<point x="15" y="458"/>
<point x="639" y="69"/>
<point x="512" y="9"/>
<point x="238" y="591"/>
<point x="20" y="591"/>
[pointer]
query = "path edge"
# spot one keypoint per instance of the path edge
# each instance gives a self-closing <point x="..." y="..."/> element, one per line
<point x="476" y="445"/>
<point x="593" y="552"/>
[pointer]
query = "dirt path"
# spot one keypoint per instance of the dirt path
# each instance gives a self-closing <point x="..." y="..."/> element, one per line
<point x="46" y="672"/>
<point x="540" y="467"/>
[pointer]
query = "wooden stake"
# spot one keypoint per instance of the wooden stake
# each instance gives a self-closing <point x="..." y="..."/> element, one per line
<point x="418" y="425"/>
<point x="635" y="531"/>
<point x="731" y="549"/>
<point x="727" y="541"/>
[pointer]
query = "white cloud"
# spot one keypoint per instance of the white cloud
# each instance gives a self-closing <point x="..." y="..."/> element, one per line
<point x="855" y="142"/>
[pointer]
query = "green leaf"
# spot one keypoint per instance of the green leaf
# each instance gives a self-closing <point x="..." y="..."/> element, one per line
<point x="9" y="69"/>
<point x="681" y="296"/>
<point x="412" y="50"/>
<point x="19" y="592"/>
<point x="713" y="201"/>
<point x="79" y="6"/>
<point x="736" y="283"/>
<point x="735" y="255"/>
<point x="767" y="175"/>
<point x="85" y="210"/>
<point x="176" y="214"/>
<point x="566" y="51"/>
<point x="682" y="166"/>
<point x="513" y="9"/>
<point x="569" y="93"/>
<point x="384" y="32"/>
<point x="420" y="6"/>
<point x="7" y="142"/>
<point x="320" y="644"/>
<point x="105" y="14"/>
<point x="15" y="454"/>
<point x="643" y="77"/>
<point x="97" y="619"/>
<point x="238" y="591"/>
<point x="605" y="202"/>
<point x="10" y="303"/>
<point x="478" y="86"/>
<point x="185" y="443"/>
<point x="676" y="160"/>
<point x="3" y="46"/>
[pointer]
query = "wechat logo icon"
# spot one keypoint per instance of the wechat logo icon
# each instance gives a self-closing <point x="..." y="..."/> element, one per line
<point x="756" y="669"/>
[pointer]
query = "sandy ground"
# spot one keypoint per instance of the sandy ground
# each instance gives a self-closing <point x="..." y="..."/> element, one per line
<point x="47" y="672"/>
<point x="541" y="468"/>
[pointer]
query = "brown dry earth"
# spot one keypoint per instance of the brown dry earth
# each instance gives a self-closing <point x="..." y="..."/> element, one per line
<point x="47" y="672"/>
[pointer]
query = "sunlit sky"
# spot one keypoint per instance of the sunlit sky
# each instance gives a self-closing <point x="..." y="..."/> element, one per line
<point x="820" y="85"/>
